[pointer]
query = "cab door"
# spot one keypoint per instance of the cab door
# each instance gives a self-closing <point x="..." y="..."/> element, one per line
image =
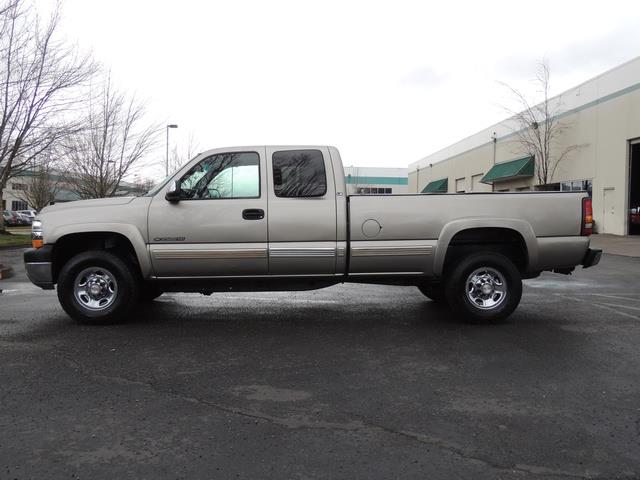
<point x="302" y="211"/>
<point x="219" y="225"/>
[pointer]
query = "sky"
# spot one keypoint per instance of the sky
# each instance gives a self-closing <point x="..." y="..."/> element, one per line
<point x="386" y="82"/>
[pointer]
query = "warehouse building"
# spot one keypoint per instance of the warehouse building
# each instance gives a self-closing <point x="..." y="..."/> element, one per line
<point x="603" y="120"/>
<point x="376" y="181"/>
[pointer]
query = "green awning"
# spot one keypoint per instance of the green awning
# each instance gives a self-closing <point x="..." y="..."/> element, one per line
<point x="437" y="186"/>
<point x="520" y="168"/>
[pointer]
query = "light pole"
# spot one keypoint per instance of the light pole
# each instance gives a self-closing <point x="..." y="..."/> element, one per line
<point x="166" y="163"/>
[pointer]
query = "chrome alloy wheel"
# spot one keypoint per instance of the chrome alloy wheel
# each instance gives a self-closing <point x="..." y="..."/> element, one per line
<point x="95" y="288"/>
<point x="486" y="288"/>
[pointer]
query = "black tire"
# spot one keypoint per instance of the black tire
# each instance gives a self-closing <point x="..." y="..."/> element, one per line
<point x="434" y="292"/>
<point x="148" y="293"/>
<point x="121" y="302"/>
<point x="488" y="266"/>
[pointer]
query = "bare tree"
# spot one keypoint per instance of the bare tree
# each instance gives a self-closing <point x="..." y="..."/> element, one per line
<point x="39" y="76"/>
<point x="180" y="155"/>
<point x="44" y="184"/>
<point x="142" y="184"/>
<point x="538" y="128"/>
<point x="116" y="139"/>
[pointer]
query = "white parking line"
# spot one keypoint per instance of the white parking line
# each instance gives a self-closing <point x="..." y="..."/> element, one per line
<point x="26" y="289"/>
<point x="625" y="314"/>
<point x="619" y="296"/>
<point x="628" y="307"/>
<point x="604" y="306"/>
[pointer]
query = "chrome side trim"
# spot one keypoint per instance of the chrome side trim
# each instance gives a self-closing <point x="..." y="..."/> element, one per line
<point x="289" y="252"/>
<point x="341" y="251"/>
<point x="211" y="277"/>
<point x="386" y="274"/>
<point x="391" y="251"/>
<point x="210" y="254"/>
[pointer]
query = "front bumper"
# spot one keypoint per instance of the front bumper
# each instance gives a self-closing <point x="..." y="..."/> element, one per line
<point x="39" y="266"/>
<point x="592" y="257"/>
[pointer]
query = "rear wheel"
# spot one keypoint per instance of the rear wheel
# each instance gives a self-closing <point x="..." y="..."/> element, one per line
<point x="484" y="287"/>
<point x="97" y="287"/>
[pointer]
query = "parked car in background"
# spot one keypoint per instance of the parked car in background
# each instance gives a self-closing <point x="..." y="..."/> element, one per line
<point x="29" y="213"/>
<point x="23" y="220"/>
<point x="10" y="219"/>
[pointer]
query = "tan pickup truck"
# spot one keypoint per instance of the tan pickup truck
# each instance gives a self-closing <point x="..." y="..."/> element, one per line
<point x="278" y="218"/>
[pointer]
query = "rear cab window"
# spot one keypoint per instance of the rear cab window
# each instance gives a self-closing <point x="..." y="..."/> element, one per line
<point x="299" y="174"/>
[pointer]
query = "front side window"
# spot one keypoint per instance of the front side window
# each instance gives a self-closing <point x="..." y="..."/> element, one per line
<point x="299" y="173"/>
<point x="225" y="175"/>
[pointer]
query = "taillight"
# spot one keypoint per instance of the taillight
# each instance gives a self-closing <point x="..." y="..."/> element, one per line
<point x="587" y="216"/>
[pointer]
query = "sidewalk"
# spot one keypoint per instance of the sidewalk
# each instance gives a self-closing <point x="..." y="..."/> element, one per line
<point x="12" y="258"/>
<point x="617" y="245"/>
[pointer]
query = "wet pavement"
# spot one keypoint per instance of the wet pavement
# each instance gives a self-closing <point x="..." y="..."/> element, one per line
<point x="354" y="381"/>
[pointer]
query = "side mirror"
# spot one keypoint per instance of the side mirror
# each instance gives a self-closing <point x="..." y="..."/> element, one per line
<point x="175" y="193"/>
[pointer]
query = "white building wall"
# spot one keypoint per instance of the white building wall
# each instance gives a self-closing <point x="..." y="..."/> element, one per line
<point x="603" y="116"/>
<point x="358" y="178"/>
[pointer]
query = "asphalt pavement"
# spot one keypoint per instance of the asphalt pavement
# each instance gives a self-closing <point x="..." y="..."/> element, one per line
<point x="354" y="381"/>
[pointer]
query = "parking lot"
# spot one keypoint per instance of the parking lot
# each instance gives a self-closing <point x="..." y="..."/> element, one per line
<point x="355" y="381"/>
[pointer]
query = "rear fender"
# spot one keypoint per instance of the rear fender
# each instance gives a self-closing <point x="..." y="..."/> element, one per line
<point x="456" y="226"/>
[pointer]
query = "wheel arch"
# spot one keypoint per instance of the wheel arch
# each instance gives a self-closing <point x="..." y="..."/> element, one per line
<point x="477" y="231"/>
<point x="125" y="240"/>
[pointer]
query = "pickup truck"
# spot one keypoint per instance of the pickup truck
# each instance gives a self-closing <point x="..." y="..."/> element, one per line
<point x="279" y="218"/>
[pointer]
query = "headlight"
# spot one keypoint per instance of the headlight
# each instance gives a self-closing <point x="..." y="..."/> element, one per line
<point x="37" y="237"/>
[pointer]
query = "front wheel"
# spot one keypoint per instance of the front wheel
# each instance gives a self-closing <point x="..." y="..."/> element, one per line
<point x="97" y="287"/>
<point x="484" y="287"/>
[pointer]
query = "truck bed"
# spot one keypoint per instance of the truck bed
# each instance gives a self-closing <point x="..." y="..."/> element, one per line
<point x="411" y="227"/>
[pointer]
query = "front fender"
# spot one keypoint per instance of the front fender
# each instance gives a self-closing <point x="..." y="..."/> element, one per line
<point x="128" y="231"/>
<point x="452" y="228"/>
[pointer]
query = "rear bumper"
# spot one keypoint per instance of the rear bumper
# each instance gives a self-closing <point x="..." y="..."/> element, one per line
<point x="592" y="257"/>
<point x="39" y="266"/>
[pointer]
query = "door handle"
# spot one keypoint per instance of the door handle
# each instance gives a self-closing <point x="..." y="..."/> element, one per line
<point x="253" y="214"/>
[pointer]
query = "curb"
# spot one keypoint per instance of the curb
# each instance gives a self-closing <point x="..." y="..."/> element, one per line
<point x="13" y="247"/>
<point x="5" y="272"/>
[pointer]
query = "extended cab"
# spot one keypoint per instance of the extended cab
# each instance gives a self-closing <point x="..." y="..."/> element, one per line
<point x="278" y="218"/>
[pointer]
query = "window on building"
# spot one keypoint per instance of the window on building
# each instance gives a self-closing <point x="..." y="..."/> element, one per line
<point x="460" y="185"/>
<point x="225" y="175"/>
<point x="299" y="173"/>
<point x="19" y="205"/>
<point x="523" y="189"/>
<point x="374" y="191"/>
<point x="475" y="181"/>
<point x="20" y="186"/>
<point x="568" y="186"/>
